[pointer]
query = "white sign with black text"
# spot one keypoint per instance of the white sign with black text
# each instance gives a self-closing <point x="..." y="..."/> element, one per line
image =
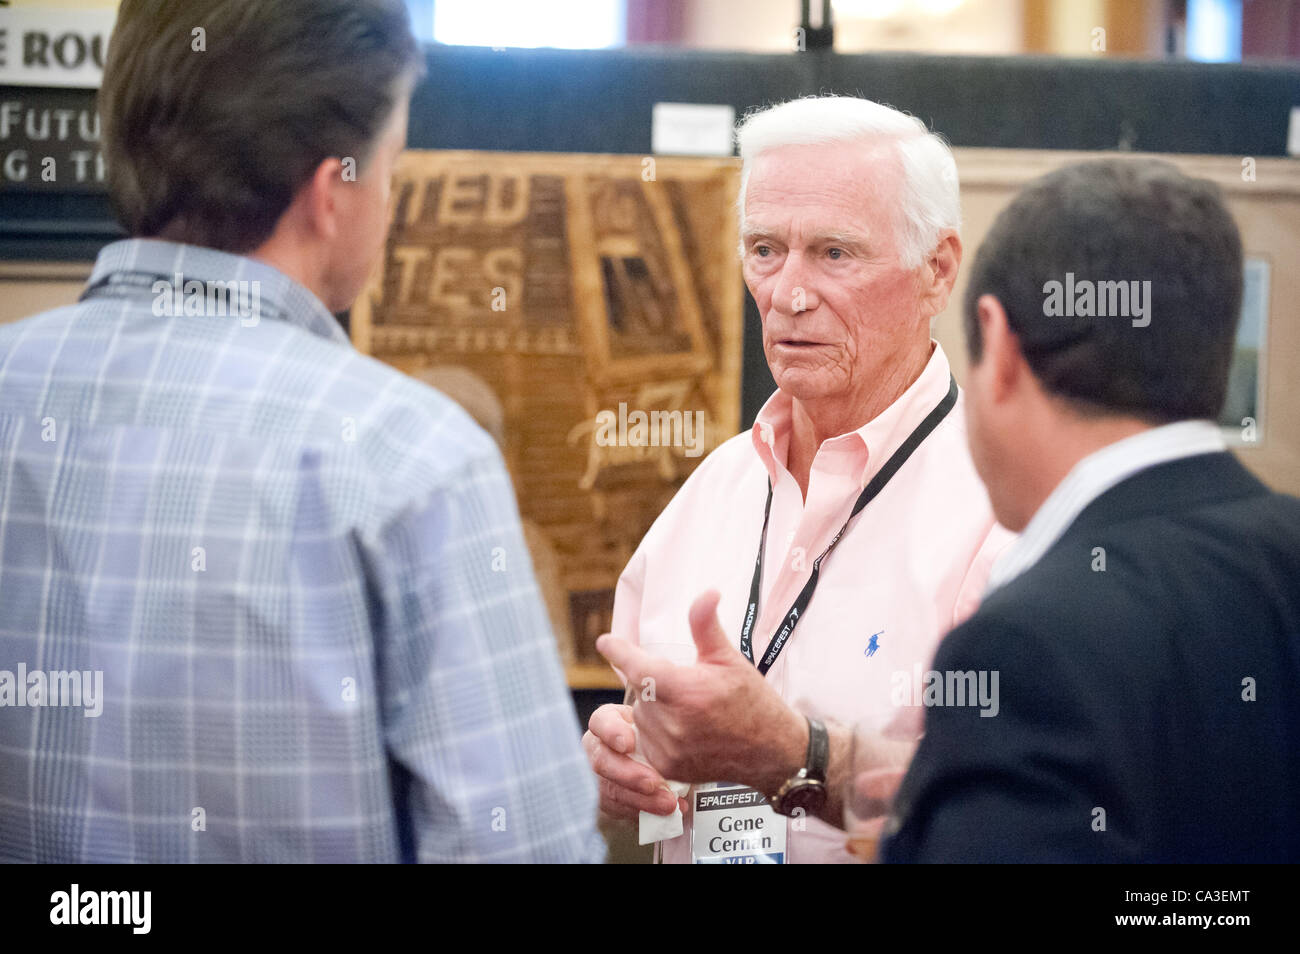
<point x="54" y="46"/>
<point x="734" y="825"/>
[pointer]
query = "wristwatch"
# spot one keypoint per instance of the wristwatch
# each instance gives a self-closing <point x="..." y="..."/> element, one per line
<point x="806" y="788"/>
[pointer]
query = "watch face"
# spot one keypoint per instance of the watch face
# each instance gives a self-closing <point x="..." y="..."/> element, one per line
<point x="810" y="796"/>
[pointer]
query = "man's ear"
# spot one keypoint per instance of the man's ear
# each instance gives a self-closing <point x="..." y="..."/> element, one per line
<point x="322" y="198"/>
<point x="1006" y="365"/>
<point x="940" y="273"/>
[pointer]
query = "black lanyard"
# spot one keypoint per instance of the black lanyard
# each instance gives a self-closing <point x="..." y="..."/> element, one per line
<point x="874" y="487"/>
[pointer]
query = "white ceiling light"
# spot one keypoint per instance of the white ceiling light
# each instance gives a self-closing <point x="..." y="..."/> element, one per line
<point x="867" y="9"/>
<point x="887" y="9"/>
<point x="938" y="8"/>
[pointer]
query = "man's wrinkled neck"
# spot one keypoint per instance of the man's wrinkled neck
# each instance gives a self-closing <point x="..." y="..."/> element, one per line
<point x="814" y="422"/>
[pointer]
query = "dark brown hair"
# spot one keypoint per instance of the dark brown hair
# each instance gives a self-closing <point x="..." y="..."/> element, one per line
<point x="1119" y="220"/>
<point x="215" y="112"/>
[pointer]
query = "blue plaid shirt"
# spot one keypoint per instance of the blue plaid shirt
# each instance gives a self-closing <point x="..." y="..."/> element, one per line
<point x="300" y="573"/>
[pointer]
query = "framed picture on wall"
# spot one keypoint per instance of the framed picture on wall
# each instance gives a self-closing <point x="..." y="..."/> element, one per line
<point x="1242" y="418"/>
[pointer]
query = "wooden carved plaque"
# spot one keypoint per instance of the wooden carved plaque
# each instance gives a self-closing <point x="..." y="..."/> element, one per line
<point x="587" y="311"/>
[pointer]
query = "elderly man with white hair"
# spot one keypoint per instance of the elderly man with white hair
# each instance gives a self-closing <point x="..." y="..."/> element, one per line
<point x="839" y="539"/>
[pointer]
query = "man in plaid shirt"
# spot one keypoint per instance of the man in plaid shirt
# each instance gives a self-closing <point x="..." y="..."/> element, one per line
<point x="297" y="574"/>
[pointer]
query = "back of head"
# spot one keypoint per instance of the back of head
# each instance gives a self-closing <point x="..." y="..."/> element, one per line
<point x="928" y="194"/>
<point x="215" y="112"/>
<point x="1122" y="281"/>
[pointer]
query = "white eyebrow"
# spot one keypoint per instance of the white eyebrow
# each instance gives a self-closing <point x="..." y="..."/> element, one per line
<point x="860" y="240"/>
<point x="851" y="239"/>
<point x="753" y="231"/>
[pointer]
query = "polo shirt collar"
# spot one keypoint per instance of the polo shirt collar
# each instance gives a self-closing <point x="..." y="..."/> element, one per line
<point x="871" y="445"/>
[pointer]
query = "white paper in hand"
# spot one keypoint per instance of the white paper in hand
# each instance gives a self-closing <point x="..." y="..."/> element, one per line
<point x="660" y="827"/>
<point x="654" y="827"/>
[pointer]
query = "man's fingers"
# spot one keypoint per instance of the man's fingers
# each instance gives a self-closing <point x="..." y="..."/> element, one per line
<point x="612" y="724"/>
<point x="632" y="661"/>
<point x="611" y="805"/>
<point x="620" y="769"/>
<point x="710" y="639"/>
<point x="620" y="802"/>
<point x="626" y="785"/>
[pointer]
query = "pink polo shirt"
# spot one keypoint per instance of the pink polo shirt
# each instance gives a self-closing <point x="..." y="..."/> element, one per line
<point x="910" y="566"/>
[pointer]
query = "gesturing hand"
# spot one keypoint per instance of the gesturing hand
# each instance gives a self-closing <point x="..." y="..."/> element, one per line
<point x="716" y="720"/>
<point x="627" y="787"/>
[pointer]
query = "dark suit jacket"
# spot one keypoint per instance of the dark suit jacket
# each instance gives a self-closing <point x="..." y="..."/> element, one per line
<point x="1126" y="690"/>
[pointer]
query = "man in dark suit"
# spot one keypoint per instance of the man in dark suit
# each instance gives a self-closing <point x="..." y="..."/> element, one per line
<point x="1142" y="637"/>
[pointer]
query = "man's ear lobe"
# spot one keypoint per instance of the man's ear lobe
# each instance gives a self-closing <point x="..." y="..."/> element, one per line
<point x="988" y="310"/>
<point x="1001" y="346"/>
<point x="322" y="197"/>
<point x="942" y="266"/>
<point x="950" y="251"/>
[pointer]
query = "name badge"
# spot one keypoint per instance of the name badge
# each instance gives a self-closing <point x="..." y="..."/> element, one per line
<point x="734" y="825"/>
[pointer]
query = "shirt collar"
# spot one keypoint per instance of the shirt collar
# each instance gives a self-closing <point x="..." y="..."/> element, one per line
<point x="873" y="442"/>
<point x="132" y="266"/>
<point x="1093" y="476"/>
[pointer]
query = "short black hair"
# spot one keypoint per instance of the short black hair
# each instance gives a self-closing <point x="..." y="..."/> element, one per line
<point x="1111" y="221"/>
